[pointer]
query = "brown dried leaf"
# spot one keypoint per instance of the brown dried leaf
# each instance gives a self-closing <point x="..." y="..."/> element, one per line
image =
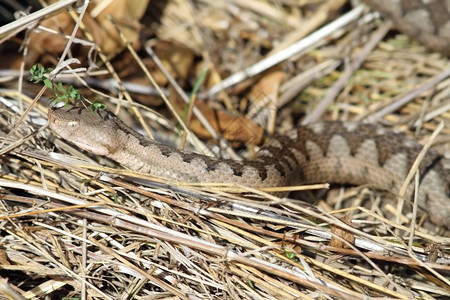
<point x="233" y="128"/>
<point x="267" y="85"/>
<point x="342" y="233"/>
<point x="126" y="13"/>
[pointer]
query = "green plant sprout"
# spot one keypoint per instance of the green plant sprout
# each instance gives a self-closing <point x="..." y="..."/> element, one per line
<point x="38" y="74"/>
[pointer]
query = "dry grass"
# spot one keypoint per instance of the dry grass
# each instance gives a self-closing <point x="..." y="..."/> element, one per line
<point x="71" y="227"/>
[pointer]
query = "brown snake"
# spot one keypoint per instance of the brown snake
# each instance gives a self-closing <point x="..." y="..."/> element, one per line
<point x="350" y="153"/>
<point x="427" y="21"/>
<point x="340" y="152"/>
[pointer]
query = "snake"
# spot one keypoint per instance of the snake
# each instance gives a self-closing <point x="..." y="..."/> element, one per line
<point x="331" y="151"/>
<point x="427" y="21"/>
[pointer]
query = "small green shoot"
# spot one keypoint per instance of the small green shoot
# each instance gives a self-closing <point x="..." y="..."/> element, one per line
<point x="39" y="73"/>
<point x="291" y="255"/>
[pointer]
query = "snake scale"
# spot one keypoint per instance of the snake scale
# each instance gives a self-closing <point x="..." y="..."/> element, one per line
<point x="427" y="21"/>
<point x="339" y="152"/>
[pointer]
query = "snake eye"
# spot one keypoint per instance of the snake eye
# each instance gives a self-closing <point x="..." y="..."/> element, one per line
<point x="73" y="124"/>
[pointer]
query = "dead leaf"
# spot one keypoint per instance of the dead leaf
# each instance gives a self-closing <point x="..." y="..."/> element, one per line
<point x="342" y="233"/>
<point x="233" y="128"/>
<point x="126" y="13"/>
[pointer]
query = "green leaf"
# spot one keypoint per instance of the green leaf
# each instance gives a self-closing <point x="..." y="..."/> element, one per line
<point x="61" y="87"/>
<point x="199" y="81"/>
<point x="33" y="69"/>
<point x="48" y="83"/>
<point x="99" y="105"/>
<point x="251" y="284"/>
<point x="289" y="255"/>
<point x="73" y="93"/>
<point x="36" y="73"/>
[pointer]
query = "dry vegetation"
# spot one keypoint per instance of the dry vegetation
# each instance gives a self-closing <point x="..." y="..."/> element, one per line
<point x="76" y="225"/>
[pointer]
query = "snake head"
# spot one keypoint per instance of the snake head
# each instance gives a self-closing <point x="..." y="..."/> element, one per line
<point x="93" y="132"/>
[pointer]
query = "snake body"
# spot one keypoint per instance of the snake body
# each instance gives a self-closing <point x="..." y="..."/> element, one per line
<point x="427" y="21"/>
<point x="339" y="152"/>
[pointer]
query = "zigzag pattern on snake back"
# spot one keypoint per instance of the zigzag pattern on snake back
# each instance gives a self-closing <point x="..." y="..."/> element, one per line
<point x="340" y="152"/>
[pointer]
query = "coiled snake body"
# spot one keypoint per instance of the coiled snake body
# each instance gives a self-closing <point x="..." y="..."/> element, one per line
<point x="340" y="152"/>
